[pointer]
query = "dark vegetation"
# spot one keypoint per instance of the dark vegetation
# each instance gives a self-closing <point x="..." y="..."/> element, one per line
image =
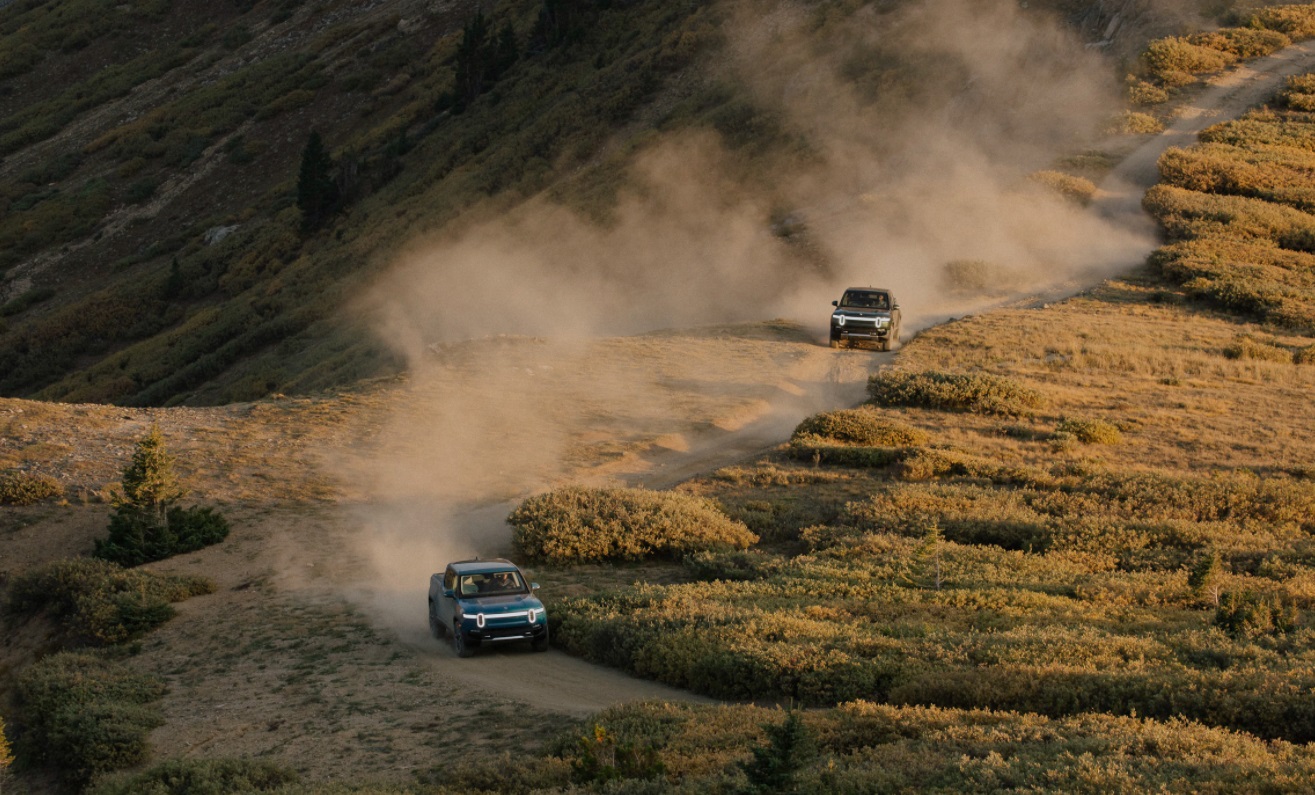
<point x="147" y="523"/>
<point x="84" y="711"/>
<point x="419" y="125"/>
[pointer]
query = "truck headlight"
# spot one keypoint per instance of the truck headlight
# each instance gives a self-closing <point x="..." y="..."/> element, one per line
<point x="534" y="614"/>
<point x="479" y="620"/>
<point x="839" y="320"/>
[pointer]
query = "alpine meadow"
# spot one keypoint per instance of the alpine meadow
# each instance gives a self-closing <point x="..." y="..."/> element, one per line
<point x="303" y="300"/>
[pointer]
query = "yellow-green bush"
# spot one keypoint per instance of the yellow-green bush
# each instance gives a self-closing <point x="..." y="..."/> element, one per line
<point x="1299" y="93"/>
<point x="98" y="602"/>
<point x="1242" y="42"/>
<point x="1168" y="59"/>
<point x="1089" y="430"/>
<point x="1140" y="92"/>
<point x="1131" y="123"/>
<point x="1295" y="21"/>
<point x="199" y="776"/>
<point x="575" y="525"/>
<point x="83" y="715"/>
<point x="19" y="487"/>
<point x="861" y="426"/>
<point x="1249" y="346"/>
<point x="976" y="392"/>
<point x="1075" y="189"/>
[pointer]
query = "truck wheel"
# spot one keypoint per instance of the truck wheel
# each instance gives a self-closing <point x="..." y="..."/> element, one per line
<point x="541" y="644"/>
<point x="459" y="642"/>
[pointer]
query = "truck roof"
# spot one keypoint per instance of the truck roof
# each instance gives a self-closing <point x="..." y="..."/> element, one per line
<point x="481" y="565"/>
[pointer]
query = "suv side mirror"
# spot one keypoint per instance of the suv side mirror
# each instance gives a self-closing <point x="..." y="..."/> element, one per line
<point x="534" y="586"/>
<point x="835" y="303"/>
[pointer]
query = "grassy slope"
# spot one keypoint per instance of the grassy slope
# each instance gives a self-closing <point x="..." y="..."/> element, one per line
<point x="121" y="153"/>
<point x="1215" y="449"/>
<point x="1059" y="582"/>
<point x="115" y="294"/>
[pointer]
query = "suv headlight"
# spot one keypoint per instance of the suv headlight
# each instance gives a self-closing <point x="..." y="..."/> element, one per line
<point x="534" y="614"/>
<point x="839" y="320"/>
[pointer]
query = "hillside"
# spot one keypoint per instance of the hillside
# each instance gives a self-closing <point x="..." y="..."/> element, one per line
<point x="1063" y="547"/>
<point x="154" y="249"/>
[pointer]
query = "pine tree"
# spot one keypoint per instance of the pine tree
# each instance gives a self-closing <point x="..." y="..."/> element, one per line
<point x="149" y="482"/>
<point x="790" y="746"/>
<point x="1206" y="577"/>
<point x="147" y="524"/>
<point x="317" y="192"/>
<point x="931" y="548"/>
<point x="474" y="59"/>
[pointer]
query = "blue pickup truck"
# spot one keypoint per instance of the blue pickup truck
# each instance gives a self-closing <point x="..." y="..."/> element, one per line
<point x="486" y="601"/>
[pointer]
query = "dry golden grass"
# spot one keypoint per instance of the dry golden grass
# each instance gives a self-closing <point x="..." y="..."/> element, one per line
<point x="1129" y="353"/>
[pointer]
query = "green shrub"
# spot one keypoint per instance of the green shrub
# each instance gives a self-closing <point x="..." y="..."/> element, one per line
<point x="749" y="564"/>
<point x="1249" y="614"/>
<point x="83" y="715"/>
<point x="98" y="602"/>
<point x="1089" y="431"/>
<point x="200" y="777"/>
<point x="18" y="487"/>
<point x="976" y="392"/>
<point x="574" y="525"/>
<point x="821" y="451"/>
<point x="141" y="536"/>
<point x="146" y="524"/>
<point x="861" y="426"/>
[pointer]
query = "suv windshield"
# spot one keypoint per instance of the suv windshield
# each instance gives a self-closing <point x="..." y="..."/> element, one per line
<point x="864" y="299"/>
<point x="491" y="584"/>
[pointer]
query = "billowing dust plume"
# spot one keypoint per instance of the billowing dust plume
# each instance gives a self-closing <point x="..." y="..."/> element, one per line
<point x="897" y="173"/>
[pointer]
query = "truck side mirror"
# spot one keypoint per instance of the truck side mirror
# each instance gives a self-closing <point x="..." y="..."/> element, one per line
<point x="835" y="303"/>
<point x="534" y="586"/>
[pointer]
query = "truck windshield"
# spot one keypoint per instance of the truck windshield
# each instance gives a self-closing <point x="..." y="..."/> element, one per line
<point x="862" y="299"/>
<point x="492" y="583"/>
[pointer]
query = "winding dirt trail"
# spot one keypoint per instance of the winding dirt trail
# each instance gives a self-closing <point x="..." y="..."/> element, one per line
<point x="756" y="417"/>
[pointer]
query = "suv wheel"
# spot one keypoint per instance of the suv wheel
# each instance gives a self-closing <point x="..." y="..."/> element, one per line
<point x="459" y="642"/>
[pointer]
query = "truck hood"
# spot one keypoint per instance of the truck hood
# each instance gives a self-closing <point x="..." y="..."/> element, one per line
<point x="493" y="605"/>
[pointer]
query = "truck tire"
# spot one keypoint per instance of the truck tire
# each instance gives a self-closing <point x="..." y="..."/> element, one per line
<point x="459" y="642"/>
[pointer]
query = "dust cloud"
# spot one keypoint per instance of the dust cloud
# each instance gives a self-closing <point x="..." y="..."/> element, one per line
<point x="917" y="128"/>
